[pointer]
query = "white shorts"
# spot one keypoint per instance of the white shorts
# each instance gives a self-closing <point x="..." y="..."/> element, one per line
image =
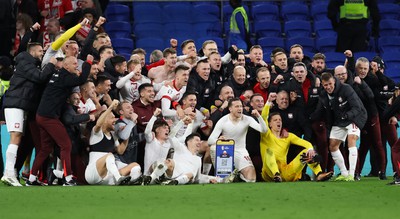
<point x="341" y="133"/>
<point x="15" y="119"/>
<point x="242" y="159"/>
<point x="92" y="175"/>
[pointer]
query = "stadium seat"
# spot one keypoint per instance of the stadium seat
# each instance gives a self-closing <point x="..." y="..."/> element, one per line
<point x="307" y="43"/>
<point x="295" y="11"/>
<point x="117" y="12"/>
<point x="143" y="13"/>
<point x="270" y="43"/>
<point x="323" y="28"/>
<point x="220" y="43"/>
<point x="334" y="59"/>
<point x="122" y="45"/>
<point x="150" y="44"/>
<point x="319" y="11"/>
<point x="263" y="12"/>
<point x="297" y="29"/>
<point x="206" y="13"/>
<point x="389" y="43"/>
<point x="205" y="3"/>
<point x="393" y="73"/>
<point x="142" y="30"/>
<point x="178" y="12"/>
<point x="207" y="29"/>
<point x="389" y="27"/>
<point x="368" y="55"/>
<point x="118" y="29"/>
<point x="326" y="44"/>
<point x="391" y="59"/>
<point x="267" y="28"/>
<point x="179" y="30"/>
<point x="389" y="10"/>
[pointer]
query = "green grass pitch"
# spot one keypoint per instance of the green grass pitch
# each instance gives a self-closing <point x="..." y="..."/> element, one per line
<point x="368" y="198"/>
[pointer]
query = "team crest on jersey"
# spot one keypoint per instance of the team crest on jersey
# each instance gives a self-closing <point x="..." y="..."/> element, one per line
<point x="290" y="115"/>
<point x="169" y="91"/>
<point x="16" y="125"/>
<point x="315" y="90"/>
<point x="207" y="91"/>
<point x="340" y="99"/>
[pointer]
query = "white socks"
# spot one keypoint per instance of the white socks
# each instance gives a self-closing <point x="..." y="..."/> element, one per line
<point x="135" y="172"/>
<point x="59" y="174"/>
<point x="112" y="167"/>
<point x="183" y="180"/>
<point x="246" y="180"/>
<point x="353" y="153"/>
<point x="158" y="171"/>
<point x="11" y="157"/>
<point x="339" y="161"/>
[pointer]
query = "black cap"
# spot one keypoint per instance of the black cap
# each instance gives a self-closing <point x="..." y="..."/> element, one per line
<point x="379" y="61"/>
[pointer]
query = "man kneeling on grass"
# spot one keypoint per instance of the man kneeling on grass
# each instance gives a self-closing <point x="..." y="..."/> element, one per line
<point x="102" y="168"/>
<point x="274" y="148"/>
<point x="184" y="168"/>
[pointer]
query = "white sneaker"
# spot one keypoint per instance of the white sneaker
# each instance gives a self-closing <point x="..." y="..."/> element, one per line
<point x="10" y="180"/>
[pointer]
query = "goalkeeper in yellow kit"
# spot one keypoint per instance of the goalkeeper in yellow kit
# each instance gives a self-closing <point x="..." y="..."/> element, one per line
<point x="274" y="148"/>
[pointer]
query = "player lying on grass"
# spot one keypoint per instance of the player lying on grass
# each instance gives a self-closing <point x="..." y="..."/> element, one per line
<point x="274" y="149"/>
<point x="185" y="167"/>
<point x="103" y="168"/>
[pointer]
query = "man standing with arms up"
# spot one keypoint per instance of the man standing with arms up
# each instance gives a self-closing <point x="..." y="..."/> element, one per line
<point x="347" y="115"/>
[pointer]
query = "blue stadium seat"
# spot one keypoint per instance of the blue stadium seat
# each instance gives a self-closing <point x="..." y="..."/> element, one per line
<point x="122" y="45"/>
<point x="334" y="59"/>
<point x="143" y="13"/>
<point x="179" y="30"/>
<point x="319" y="11"/>
<point x="368" y="55"/>
<point x="126" y="55"/>
<point x="389" y="27"/>
<point x="307" y="43"/>
<point x="288" y="2"/>
<point x="295" y="11"/>
<point x="323" y="28"/>
<point x="265" y="3"/>
<point x="207" y="29"/>
<point x="326" y="44"/>
<point x="270" y="43"/>
<point x="267" y="28"/>
<point x="297" y="29"/>
<point x="262" y="12"/>
<point x="178" y="12"/>
<point x="389" y="10"/>
<point x="117" y="12"/>
<point x="118" y="29"/>
<point x="206" y="13"/>
<point x="220" y="43"/>
<point x="389" y="44"/>
<point x="142" y="30"/>
<point x="149" y="44"/>
<point x="391" y="59"/>
<point x="205" y="3"/>
<point x="393" y="73"/>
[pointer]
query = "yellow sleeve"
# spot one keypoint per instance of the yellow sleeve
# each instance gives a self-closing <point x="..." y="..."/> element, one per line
<point x="265" y="113"/>
<point x="299" y="141"/>
<point x="65" y="36"/>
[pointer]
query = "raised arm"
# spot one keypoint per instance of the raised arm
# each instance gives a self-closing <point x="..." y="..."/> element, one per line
<point x="148" y="134"/>
<point x="104" y="116"/>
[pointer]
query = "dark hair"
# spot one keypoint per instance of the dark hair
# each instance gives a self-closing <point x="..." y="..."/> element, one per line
<point x="117" y="60"/>
<point x="32" y="45"/>
<point x="103" y="48"/>
<point x="184" y="43"/>
<point x="139" y="51"/>
<point x="326" y="76"/>
<point x="168" y="51"/>
<point x="255" y="47"/>
<point x="255" y="95"/>
<point x="143" y="86"/>
<point x="190" y="137"/>
<point x="300" y="64"/>
<point x="272" y="115"/>
<point x="319" y="56"/>
<point x="187" y="93"/>
<point x="233" y="100"/>
<point x="101" y="79"/>
<point x="181" y="67"/>
<point x="158" y="123"/>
